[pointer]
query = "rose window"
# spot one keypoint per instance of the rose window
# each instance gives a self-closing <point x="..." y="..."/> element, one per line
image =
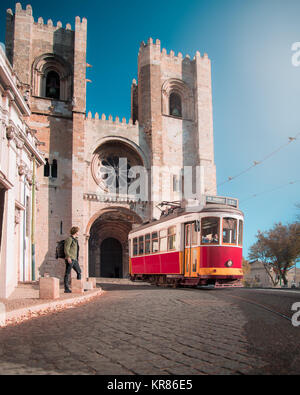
<point x="114" y="172"/>
<point x="111" y="167"/>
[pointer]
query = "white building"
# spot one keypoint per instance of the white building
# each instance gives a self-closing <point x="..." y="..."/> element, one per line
<point x="258" y="276"/>
<point x="19" y="156"/>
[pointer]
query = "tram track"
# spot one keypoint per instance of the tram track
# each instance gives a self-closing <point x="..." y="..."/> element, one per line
<point x="255" y="303"/>
<point x="262" y="306"/>
<point x="270" y="328"/>
<point x="277" y="302"/>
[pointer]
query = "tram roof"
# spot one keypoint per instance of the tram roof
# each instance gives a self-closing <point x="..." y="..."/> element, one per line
<point x="180" y="212"/>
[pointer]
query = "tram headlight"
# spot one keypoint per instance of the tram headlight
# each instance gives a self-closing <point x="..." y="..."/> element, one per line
<point x="229" y="263"/>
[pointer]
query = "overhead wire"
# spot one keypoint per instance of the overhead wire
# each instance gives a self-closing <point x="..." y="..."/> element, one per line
<point x="269" y="190"/>
<point x="256" y="163"/>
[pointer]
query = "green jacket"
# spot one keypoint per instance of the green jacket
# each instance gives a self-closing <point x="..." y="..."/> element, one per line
<point x="71" y="248"/>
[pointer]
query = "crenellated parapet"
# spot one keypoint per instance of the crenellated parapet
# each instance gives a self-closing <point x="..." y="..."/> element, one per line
<point x="110" y="121"/>
<point x="50" y="25"/>
<point x="19" y="11"/>
<point x="155" y="49"/>
<point x="80" y="24"/>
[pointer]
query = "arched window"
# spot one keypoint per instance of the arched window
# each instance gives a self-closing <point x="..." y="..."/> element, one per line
<point x="175" y="105"/>
<point x="46" y="168"/>
<point x="52" y="78"/>
<point x="53" y="85"/>
<point x="54" y="169"/>
<point x="113" y="167"/>
<point x="177" y="99"/>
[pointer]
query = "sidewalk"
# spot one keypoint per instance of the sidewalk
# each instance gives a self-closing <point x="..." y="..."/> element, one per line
<point x="24" y="303"/>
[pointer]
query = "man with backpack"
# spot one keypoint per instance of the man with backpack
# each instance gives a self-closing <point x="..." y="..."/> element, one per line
<point x="71" y="250"/>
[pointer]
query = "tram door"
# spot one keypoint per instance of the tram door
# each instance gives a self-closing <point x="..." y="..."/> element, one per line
<point x="190" y="250"/>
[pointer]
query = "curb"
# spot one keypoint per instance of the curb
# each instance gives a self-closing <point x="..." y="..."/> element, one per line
<point x="26" y="313"/>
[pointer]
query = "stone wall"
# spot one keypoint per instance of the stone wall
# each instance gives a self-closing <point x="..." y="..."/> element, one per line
<point x="152" y="138"/>
<point x="184" y="141"/>
<point x="19" y="158"/>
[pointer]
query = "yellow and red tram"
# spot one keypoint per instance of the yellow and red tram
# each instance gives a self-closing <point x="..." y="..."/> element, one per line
<point x="201" y="247"/>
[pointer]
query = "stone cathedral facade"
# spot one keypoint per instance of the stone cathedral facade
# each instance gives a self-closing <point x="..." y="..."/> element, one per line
<point x="171" y="127"/>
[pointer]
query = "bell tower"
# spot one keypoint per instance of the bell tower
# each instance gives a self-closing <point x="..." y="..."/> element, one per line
<point x="50" y="63"/>
<point x="175" y="113"/>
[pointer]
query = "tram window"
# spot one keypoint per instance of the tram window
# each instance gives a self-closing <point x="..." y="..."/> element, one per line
<point x="163" y="244"/>
<point x="163" y="233"/>
<point x="141" y="245"/>
<point x="194" y="235"/>
<point x="240" y="232"/>
<point x="163" y="241"/>
<point x="171" y="238"/>
<point x="155" y="242"/>
<point x="194" y="260"/>
<point x="197" y="226"/>
<point x="229" y="230"/>
<point x="187" y="235"/>
<point x="147" y="244"/>
<point x="135" y="247"/>
<point x="210" y="230"/>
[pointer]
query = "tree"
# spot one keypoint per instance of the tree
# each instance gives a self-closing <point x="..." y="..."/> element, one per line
<point x="245" y="266"/>
<point x="298" y="207"/>
<point x="278" y="249"/>
<point x="246" y="270"/>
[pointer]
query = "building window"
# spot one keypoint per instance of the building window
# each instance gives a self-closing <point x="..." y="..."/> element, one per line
<point x="46" y="168"/>
<point x="53" y="85"/>
<point x="178" y="99"/>
<point x="175" y="105"/>
<point x="54" y="169"/>
<point x="176" y="181"/>
<point x="52" y="77"/>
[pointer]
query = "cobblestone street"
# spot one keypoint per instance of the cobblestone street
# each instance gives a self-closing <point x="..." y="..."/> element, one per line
<point x="135" y="330"/>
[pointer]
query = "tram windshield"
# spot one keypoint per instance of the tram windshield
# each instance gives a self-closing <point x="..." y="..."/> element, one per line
<point x="229" y="230"/>
<point x="210" y="230"/>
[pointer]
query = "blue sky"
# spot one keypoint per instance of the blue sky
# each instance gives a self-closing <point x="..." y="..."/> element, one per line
<point x="256" y="89"/>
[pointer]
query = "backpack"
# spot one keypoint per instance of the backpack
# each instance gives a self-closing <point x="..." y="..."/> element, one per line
<point x="60" y="249"/>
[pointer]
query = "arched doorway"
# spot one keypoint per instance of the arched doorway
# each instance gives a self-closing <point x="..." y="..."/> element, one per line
<point x="108" y="242"/>
<point x="111" y="258"/>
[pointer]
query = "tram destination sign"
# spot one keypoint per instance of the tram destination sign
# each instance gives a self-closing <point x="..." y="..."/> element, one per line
<point x="222" y="200"/>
